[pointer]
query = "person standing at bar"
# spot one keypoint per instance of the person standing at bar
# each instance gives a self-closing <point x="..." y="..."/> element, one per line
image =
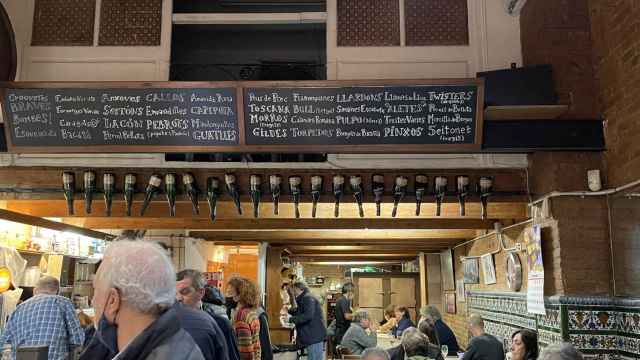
<point x="46" y="319"/>
<point x="307" y="316"/>
<point x="344" y="311"/>
<point x="244" y="318"/>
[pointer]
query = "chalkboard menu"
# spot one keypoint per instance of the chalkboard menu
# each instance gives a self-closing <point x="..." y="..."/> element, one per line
<point x="165" y="117"/>
<point x="362" y="115"/>
<point x="383" y="116"/>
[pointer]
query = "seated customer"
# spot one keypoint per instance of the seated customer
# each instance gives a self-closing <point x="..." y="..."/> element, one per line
<point x="360" y="335"/>
<point x="428" y="328"/>
<point x="564" y="351"/>
<point x="375" y="353"/>
<point x="429" y="350"/>
<point x="483" y="346"/>
<point x="416" y="346"/>
<point x="404" y="320"/>
<point x="389" y="321"/>
<point x="443" y="332"/>
<point x="524" y="345"/>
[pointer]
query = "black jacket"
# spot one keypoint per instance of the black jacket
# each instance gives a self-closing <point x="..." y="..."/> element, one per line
<point x="397" y="353"/>
<point x="266" y="350"/>
<point x="204" y="331"/>
<point x="227" y="330"/>
<point x="164" y="339"/>
<point x="308" y="320"/>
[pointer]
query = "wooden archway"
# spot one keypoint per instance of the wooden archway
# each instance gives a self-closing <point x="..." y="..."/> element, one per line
<point x="8" y="56"/>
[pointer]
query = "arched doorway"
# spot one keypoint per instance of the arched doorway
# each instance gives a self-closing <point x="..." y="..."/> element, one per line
<point x="8" y="59"/>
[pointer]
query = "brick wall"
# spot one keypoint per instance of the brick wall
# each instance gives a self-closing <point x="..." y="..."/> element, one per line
<point x="626" y="247"/>
<point x="616" y="52"/>
<point x="561" y="171"/>
<point x="558" y="33"/>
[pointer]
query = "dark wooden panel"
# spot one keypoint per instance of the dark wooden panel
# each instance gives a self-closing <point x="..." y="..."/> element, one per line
<point x="53" y="225"/>
<point x="8" y="57"/>
<point x="63" y="23"/>
<point x="368" y="23"/>
<point x="436" y="22"/>
<point x="130" y="23"/>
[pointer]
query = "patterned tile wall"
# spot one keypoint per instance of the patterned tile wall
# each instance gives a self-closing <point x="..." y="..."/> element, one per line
<point x="368" y="23"/>
<point x="63" y="23"/>
<point x="602" y="328"/>
<point x="436" y="22"/>
<point x="130" y="23"/>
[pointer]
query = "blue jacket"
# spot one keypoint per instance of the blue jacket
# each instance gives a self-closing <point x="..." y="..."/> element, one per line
<point x="446" y="337"/>
<point x="308" y="319"/>
<point x="403" y="325"/>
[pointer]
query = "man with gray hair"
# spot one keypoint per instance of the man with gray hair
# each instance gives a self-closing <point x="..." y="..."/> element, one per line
<point x="443" y="332"/>
<point x="134" y="293"/>
<point x="375" y="353"/>
<point x="483" y="346"/>
<point x="563" y="351"/>
<point x="46" y="319"/>
<point x="361" y="334"/>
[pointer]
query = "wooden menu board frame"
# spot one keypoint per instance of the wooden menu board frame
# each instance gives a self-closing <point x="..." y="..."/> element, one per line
<point x="242" y="147"/>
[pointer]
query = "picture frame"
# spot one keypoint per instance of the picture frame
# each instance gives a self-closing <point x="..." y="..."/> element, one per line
<point x="460" y="291"/>
<point x="488" y="269"/>
<point x="450" y="302"/>
<point x="471" y="271"/>
<point x="446" y="269"/>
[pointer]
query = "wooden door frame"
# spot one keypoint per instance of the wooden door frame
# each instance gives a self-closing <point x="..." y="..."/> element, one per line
<point x="387" y="296"/>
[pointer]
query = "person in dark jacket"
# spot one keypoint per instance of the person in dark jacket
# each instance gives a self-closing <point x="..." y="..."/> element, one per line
<point x="307" y="317"/>
<point x="204" y="331"/>
<point x="192" y="291"/>
<point x="266" y="350"/>
<point x="134" y="293"/>
<point x="443" y="332"/>
<point x="404" y="320"/>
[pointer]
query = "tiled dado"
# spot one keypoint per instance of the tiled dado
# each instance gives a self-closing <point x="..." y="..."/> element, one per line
<point x="602" y="328"/>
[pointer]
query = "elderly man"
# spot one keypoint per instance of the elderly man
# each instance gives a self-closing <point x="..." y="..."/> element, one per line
<point x="361" y="334"/>
<point x="443" y="332"/>
<point x="375" y="353"/>
<point x="564" y="351"/>
<point x="45" y="320"/>
<point x="482" y="346"/>
<point x="418" y="340"/>
<point x="135" y="290"/>
<point x="308" y="318"/>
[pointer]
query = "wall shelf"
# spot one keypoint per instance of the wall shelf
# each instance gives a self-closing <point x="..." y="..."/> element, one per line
<point x="525" y="112"/>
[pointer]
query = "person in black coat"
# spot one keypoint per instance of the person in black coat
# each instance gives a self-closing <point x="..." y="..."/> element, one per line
<point x="307" y="317"/>
<point x="204" y="331"/>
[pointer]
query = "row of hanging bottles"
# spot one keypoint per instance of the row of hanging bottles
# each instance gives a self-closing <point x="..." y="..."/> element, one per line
<point x="484" y="188"/>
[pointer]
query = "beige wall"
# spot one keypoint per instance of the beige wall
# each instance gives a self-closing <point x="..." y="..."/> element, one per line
<point x="494" y="43"/>
<point x="87" y="63"/>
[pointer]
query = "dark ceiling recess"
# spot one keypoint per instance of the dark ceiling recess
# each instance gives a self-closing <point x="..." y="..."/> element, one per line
<point x="248" y="52"/>
<point x="8" y="61"/>
<point x="247" y="6"/>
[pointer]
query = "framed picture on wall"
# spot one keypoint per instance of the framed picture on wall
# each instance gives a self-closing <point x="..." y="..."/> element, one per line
<point x="488" y="269"/>
<point x="471" y="271"/>
<point x="450" y="302"/>
<point x="460" y="291"/>
<point x="446" y="269"/>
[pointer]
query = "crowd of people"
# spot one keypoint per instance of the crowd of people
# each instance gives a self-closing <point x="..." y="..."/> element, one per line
<point x="144" y="310"/>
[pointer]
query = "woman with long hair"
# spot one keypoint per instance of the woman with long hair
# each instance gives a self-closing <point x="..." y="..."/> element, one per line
<point x="404" y="320"/>
<point x="389" y="321"/>
<point x="524" y="345"/>
<point x="244" y="318"/>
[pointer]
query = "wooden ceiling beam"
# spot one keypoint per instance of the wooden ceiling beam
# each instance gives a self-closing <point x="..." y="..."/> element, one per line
<point x="226" y="210"/>
<point x="342" y="235"/>
<point x="53" y="225"/>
